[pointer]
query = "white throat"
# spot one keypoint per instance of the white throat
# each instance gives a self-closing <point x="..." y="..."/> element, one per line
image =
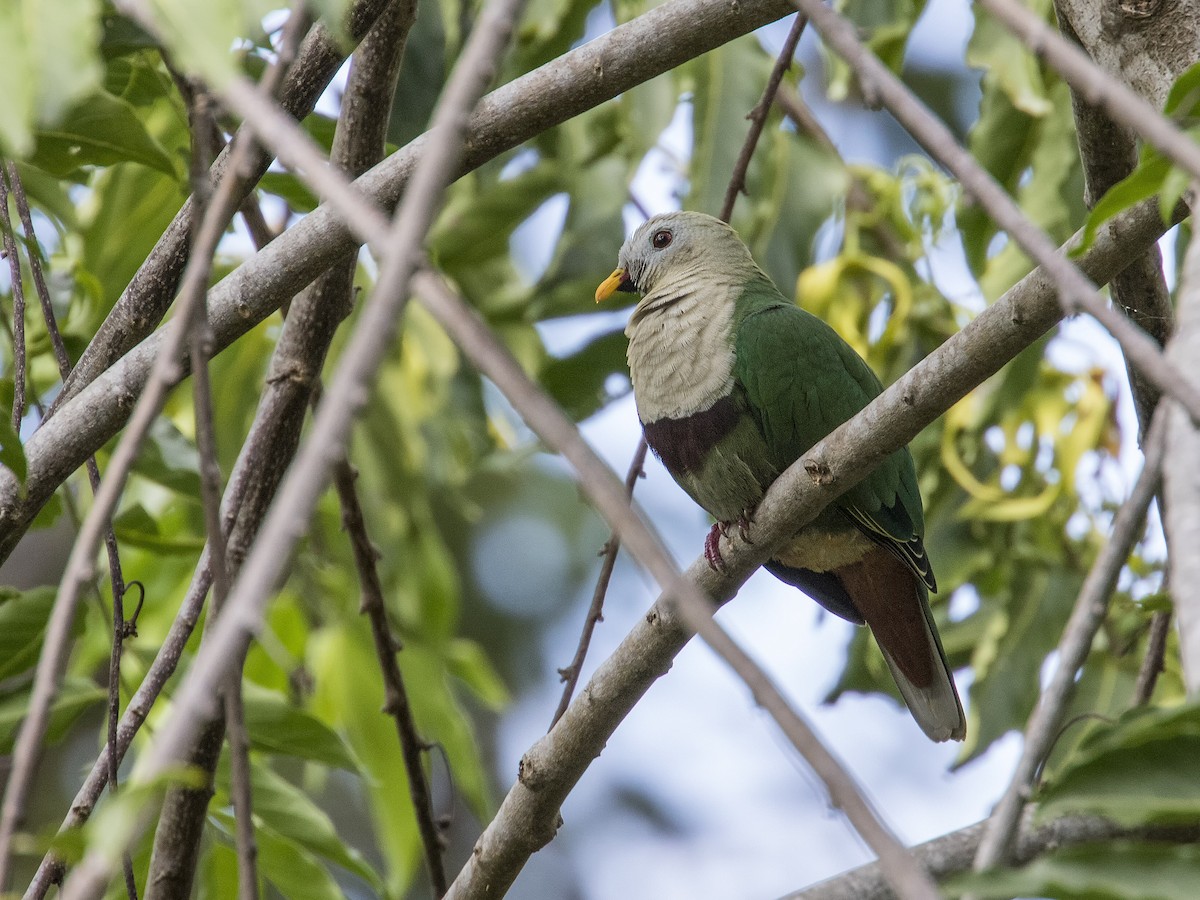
<point x="681" y="356"/>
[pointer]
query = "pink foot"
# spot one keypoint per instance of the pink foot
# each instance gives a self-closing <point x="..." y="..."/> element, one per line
<point x="712" y="547"/>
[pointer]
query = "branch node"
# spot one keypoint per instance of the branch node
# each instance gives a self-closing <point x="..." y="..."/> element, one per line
<point x="819" y="471"/>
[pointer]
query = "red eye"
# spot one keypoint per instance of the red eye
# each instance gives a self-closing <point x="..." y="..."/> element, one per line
<point x="661" y="239"/>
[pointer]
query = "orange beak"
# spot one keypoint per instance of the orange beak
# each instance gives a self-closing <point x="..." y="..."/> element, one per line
<point x="610" y="285"/>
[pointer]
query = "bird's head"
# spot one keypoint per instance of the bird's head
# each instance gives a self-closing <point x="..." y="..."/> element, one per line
<point x="671" y="245"/>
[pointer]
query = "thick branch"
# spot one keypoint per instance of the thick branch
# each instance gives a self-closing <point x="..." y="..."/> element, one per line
<point x="952" y="853"/>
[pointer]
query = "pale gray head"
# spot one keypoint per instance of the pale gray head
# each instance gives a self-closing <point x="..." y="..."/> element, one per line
<point x="674" y="244"/>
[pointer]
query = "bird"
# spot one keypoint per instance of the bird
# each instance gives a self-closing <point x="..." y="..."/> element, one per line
<point x="733" y="383"/>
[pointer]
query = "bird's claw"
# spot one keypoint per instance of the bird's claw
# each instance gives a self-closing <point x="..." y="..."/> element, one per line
<point x="744" y="521"/>
<point x="712" y="547"/>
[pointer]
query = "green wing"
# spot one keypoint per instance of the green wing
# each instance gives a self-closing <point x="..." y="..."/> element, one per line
<point x="802" y="381"/>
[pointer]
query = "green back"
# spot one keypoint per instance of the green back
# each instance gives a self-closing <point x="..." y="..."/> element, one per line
<point x="802" y="381"/>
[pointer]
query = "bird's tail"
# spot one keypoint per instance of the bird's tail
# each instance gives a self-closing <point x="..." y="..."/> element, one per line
<point x="895" y="605"/>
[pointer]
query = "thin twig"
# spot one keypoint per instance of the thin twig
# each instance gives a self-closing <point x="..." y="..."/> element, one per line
<point x="18" y="331"/>
<point x="1152" y="662"/>
<point x="540" y="413"/>
<point x="1073" y="648"/>
<point x="1077" y="292"/>
<point x="758" y="117"/>
<point x="570" y="674"/>
<point x="347" y="392"/>
<point x="396" y="702"/>
<point x="33" y="252"/>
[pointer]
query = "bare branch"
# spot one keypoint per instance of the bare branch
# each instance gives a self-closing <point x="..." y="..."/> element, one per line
<point x="396" y="702"/>
<point x="952" y="853"/>
<point x="145" y="301"/>
<point x="758" y="117"/>
<point x="492" y="866"/>
<point x="1152" y="662"/>
<point x="1077" y="292"/>
<point x="18" y="326"/>
<point x="1073" y="648"/>
<point x="570" y="675"/>
<point x="1181" y="479"/>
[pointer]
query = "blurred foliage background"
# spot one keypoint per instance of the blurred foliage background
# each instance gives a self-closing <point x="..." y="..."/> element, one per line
<point x="488" y="550"/>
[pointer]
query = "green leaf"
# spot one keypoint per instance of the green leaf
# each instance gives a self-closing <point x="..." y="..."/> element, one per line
<point x="74" y="697"/>
<point x="579" y="382"/>
<point x="1008" y="660"/>
<point x="479" y="217"/>
<point x="293" y="870"/>
<point x="468" y="662"/>
<point x="291" y="189"/>
<point x="12" y="451"/>
<point x="1008" y="63"/>
<point x="1143" y="770"/>
<point x="350" y="694"/>
<point x="101" y="130"/>
<point x="728" y="84"/>
<point x="1120" y="870"/>
<point x="170" y="459"/>
<point x="23" y="617"/>
<point x="1184" y="96"/>
<point x="278" y="726"/>
<point x="1143" y="182"/>
<point x="200" y="33"/>
<point x="50" y="61"/>
<point x="288" y="811"/>
<point x="422" y="75"/>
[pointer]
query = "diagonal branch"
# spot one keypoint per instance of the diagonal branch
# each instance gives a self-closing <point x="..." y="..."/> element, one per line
<point x="1073" y="647"/>
<point x="490" y="866"/>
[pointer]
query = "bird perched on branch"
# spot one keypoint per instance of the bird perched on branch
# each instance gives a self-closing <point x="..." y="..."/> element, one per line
<point x="733" y="383"/>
